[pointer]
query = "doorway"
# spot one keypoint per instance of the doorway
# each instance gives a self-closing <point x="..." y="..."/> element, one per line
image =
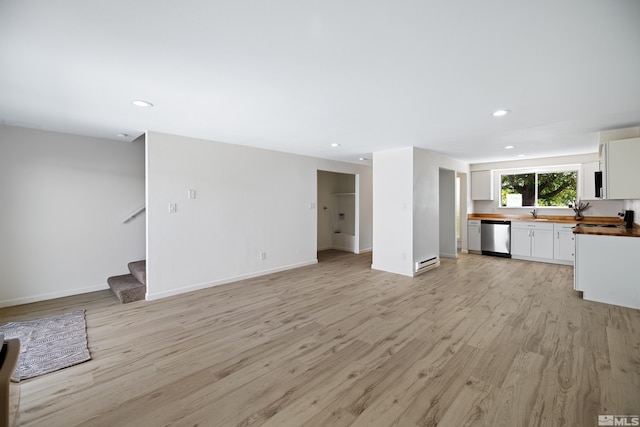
<point x="338" y="221"/>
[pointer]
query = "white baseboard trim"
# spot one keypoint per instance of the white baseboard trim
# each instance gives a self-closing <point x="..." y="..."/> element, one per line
<point x="343" y="248"/>
<point x="195" y="287"/>
<point x="377" y="267"/>
<point x="545" y="260"/>
<point x="53" y="295"/>
<point x="346" y="249"/>
<point x="454" y="256"/>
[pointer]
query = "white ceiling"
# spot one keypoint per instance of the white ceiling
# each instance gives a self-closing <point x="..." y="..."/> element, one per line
<point x="296" y="75"/>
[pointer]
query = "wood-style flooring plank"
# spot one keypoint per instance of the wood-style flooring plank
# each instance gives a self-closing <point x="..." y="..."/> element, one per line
<point x="479" y="341"/>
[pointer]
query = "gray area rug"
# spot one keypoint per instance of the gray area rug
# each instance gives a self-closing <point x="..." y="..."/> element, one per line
<point x="48" y="344"/>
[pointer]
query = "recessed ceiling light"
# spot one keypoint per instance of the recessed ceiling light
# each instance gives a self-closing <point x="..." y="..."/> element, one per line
<point x="122" y="135"/>
<point x="141" y="103"/>
<point x="363" y="159"/>
<point x="521" y="155"/>
<point x="509" y="147"/>
<point x="500" y="113"/>
<point x="335" y="144"/>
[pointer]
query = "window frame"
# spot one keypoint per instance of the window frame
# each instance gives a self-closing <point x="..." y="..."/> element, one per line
<point x="536" y="171"/>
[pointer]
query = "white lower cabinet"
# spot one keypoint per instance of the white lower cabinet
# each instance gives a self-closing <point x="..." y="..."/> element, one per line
<point x="564" y="245"/>
<point x="532" y="240"/>
<point x="473" y="235"/>
<point x="520" y="241"/>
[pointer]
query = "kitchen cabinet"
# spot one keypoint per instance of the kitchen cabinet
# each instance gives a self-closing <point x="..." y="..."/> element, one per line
<point x="587" y="181"/>
<point x="473" y="236"/>
<point x="532" y="241"/>
<point x="520" y="241"/>
<point x="606" y="269"/>
<point x="564" y="247"/>
<point x="619" y="160"/>
<point x="482" y="185"/>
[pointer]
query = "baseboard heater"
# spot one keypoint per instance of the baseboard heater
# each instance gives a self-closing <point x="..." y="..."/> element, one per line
<point x="427" y="264"/>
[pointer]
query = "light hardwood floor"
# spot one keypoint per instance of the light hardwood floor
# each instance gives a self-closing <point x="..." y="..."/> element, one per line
<point x="478" y="341"/>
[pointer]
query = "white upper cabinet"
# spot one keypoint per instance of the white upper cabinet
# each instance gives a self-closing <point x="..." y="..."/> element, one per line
<point x="588" y="181"/>
<point x="621" y="161"/>
<point x="622" y="170"/>
<point x="482" y="185"/>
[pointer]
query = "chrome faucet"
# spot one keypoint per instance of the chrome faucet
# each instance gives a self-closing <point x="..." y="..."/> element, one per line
<point x="534" y="214"/>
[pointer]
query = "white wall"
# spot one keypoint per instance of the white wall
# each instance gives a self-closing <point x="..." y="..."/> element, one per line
<point x="393" y="211"/>
<point x="465" y="202"/>
<point x="426" y="211"/>
<point x="64" y="197"/>
<point x="447" y="214"/>
<point x="597" y="207"/>
<point x="247" y="201"/>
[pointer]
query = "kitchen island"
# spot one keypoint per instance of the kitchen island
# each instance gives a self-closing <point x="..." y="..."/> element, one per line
<point x="606" y="265"/>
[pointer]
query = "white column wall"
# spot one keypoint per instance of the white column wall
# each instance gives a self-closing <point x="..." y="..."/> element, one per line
<point x="406" y="209"/>
<point x="393" y="211"/>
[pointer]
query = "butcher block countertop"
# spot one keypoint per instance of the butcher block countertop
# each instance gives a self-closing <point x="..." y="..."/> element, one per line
<point x="614" y="220"/>
<point x="620" y="230"/>
<point x="604" y="231"/>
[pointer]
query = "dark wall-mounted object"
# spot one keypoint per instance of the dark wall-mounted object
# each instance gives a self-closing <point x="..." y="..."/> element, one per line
<point x="598" y="181"/>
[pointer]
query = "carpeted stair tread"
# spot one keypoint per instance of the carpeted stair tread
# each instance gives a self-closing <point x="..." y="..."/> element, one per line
<point x="139" y="270"/>
<point x="127" y="288"/>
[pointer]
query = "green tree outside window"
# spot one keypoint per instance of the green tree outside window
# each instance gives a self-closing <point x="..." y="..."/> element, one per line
<point x="541" y="189"/>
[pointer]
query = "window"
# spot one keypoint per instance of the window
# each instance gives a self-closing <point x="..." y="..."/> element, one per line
<point x="550" y="187"/>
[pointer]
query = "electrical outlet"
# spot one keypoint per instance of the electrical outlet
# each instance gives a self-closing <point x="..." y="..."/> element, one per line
<point x="173" y="208"/>
<point x="263" y="255"/>
<point x="191" y="194"/>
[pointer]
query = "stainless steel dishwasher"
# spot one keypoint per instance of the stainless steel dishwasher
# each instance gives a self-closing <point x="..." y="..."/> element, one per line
<point x="495" y="238"/>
